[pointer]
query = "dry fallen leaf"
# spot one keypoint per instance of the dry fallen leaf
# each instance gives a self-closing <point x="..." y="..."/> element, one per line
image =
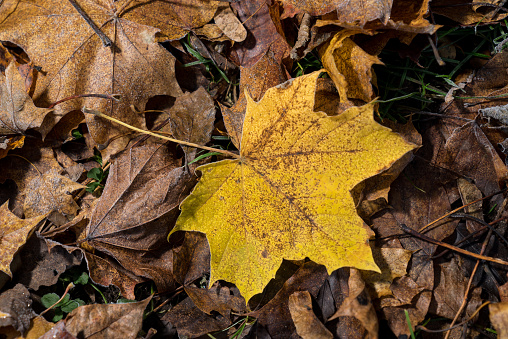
<point x="13" y="234"/>
<point x="17" y="110"/>
<point x="51" y="193"/>
<point x="227" y="21"/>
<point x="349" y="66"/>
<point x="288" y="196"/>
<point x="349" y="11"/>
<point x="16" y="308"/>
<point x="76" y="61"/>
<point x="306" y="322"/>
<point x="107" y="321"/>
<point x="498" y="314"/>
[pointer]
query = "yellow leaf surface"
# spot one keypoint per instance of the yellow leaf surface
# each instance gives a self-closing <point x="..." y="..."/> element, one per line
<point x="288" y="195"/>
<point x="13" y="234"/>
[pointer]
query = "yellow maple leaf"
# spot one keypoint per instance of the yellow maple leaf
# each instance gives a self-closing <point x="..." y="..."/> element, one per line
<point x="288" y="194"/>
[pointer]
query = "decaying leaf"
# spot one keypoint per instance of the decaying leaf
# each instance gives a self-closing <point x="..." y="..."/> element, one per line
<point x="498" y="314"/>
<point x="393" y="263"/>
<point x="227" y="21"/>
<point x="275" y="316"/>
<point x="17" y="110"/>
<point x="16" y="308"/>
<point x="51" y="192"/>
<point x="13" y="234"/>
<point x="288" y="194"/>
<point x="350" y="11"/>
<point x="307" y="324"/>
<point x="106" y="321"/>
<point x="75" y="60"/>
<point x="349" y="66"/>
<point x="43" y="263"/>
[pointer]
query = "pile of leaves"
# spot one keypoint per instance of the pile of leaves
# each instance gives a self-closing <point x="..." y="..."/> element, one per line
<point x="233" y="169"/>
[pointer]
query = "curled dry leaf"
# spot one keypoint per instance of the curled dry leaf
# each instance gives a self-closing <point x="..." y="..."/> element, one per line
<point x="17" y="110"/>
<point x="13" y="234"/>
<point x="288" y="195"/>
<point x="307" y="324"/>
<point x="275" y="315"/>
<point x="44" y="261"/>
<point x="393" y="263"/>
<point x="257" y="18"/>
<point x="349" y="66"/>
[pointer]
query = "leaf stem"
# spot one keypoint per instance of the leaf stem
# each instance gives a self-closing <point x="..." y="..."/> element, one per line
<point x="71" y="285"/>
<point x="105" y="40"/>
<point x="114" y="97"/>
<point x="102" y="115"/>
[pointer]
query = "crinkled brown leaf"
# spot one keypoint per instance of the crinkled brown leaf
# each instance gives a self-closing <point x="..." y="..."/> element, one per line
<point x="191" y="322"/>
<point x="261" y="28"/>
<point x="107" y="321"/>
<point x="275" y="315"/>
<point x="107" y="272"/>
<point x="27" y="163"/>
<point x="227" y="21"/>
<point x="219" y="300"/>
<point x="174" y="18"/>
<point x="75" y="61"/>
<point x="13" y="234"/>
<point x="450" y="291"/>
<point x="307" y="324"/>
<point x="51" y="192"/>
<point x="43" y="264"/>
<point x="17" y="110"/>
<point x="16" y="308"/>
<point x="357" y="304"/>
<point x="498" y="314"/>
<point x="267" y="72"/>
<point x="350" y="11"/>
<point x="137" y="209"/>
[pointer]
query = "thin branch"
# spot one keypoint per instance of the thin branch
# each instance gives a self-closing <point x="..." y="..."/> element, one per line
<point x="105" y="40"/>
<point x="101" y="115"/>
<point x="453" y="248"/>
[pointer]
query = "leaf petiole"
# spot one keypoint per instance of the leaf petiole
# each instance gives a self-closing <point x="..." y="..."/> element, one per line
<point x="180" y="142"/>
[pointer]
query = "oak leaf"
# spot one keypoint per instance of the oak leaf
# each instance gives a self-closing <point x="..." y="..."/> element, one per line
<point x="288" y="194"/>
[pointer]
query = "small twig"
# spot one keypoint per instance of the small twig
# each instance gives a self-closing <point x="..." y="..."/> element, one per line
<point x="101" y="115"/>
<point x="105" y="40"/>
<point x="71" y="285"/>
<point x="442" y="116"/>
<point x="458" y="209"/>
<point x="453" y="248"/>
<point x="476" y="233"/>
<point x="480" y="221"/>
<point x="257" y="10"/>
<point x="470" y="282"/>
<point x="458" y="325"/>
<point x="115" y="97"/>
